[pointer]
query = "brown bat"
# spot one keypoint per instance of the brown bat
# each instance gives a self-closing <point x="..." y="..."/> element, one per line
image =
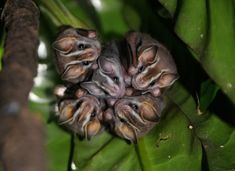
<point x="110" y="75"/>
<point x="81" y="115"/>
<point x="76" y="53"/>
<point x="134" y="116"/>
<point x="153" y="68"/>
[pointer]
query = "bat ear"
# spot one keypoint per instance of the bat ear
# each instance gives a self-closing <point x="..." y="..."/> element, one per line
<point x="126" y="132"/>
<point x="150" y="112"/>
<point x="67" y="109"/>
<point x="106" y="65"/>
<point x="92" y="34"/>
<point x="148" y="55"/>
<point x="167" y="79"/>
<point x="64" y="45"/>
<point x="86" y="33"/>
<point x="92" y="88"/>
<point x="92" y="129"/>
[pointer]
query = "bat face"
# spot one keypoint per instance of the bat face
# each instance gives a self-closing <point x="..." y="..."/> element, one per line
<point x="139" y="109"/>
<point x="135" y="116"/>
<point x="110" y="74"/>
<point x="154" y="68"/>
<point x="93" y="89"/>
<point x="81" y="115"/>
<point x="76" y="53"/>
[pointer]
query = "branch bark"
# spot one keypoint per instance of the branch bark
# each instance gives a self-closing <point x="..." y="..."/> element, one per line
<point x="22" y="135"/>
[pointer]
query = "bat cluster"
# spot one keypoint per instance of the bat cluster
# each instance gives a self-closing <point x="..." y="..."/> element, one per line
<point x="119" y="86"/>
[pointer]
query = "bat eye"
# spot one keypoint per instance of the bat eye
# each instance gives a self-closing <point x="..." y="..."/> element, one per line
<point x="81" y="46"/>
<point x="93" y="114"/>
<point x="116" y="79"/>
<point x="141" y="69"/>
<point x="85" y="63"/>
<point x="152" y="84"/>
<point x="134" y="107"/>
<point x="122" y="120"/>
<point x="78" y="105"/>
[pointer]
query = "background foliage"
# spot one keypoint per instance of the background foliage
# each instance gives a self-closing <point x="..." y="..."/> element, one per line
<point x="197" y="129"/>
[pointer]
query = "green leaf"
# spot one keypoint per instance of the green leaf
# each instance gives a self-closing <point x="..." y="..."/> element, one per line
<point x="192" y="16"/>
<point x="170" y="5"/>
<point x="211" y="35"/>
<point x="111" y="18"/>
<point x="218" y="59"/>
<point x="59" y="14"/>
<point x="218" y="139"/>
<point x="207" y="94"/>
<point x="216" y="136"/>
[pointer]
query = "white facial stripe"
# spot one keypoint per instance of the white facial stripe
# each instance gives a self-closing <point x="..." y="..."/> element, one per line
<point x="108" y="79"/>
<point x="87" y="116"/>
<point x="81" y="42"/>
<point x="156" y="77"/>
<point x="77" y="112"/>
<point x="69" y="121"/>
<point x="72" y="63"/>
<point x="153" y="65"/>
<point x="137" y="116"/>
<point x="76" y="53"/>
<point x="170" y="82"/>
<point x="133" y="126"/>
<point x="147" y="49"/>
<point x="126" y="119"/>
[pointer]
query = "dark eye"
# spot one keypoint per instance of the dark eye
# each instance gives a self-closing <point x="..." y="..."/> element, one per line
<point x="85" y="63"/>
<point x="134" y="106"/>
<point x="122" y="120"/>
<point x="78" y="105"/>
<point x="141" y="69"/>
<point x="152" y="84"/>
<point x="116" y="79"/>
<point x="93" y="114"/>
<point x="81" y="46"/>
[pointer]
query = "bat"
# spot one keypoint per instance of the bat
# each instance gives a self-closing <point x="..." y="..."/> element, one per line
<point x="153" y="68"/>
<point x="81" y="115"/>
<point x="76" y="53"/>
<point x="110" y="76"/>
<point x="134" y="116"/>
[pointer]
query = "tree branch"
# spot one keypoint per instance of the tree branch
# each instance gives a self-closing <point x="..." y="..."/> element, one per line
<point x="22" y="135"/>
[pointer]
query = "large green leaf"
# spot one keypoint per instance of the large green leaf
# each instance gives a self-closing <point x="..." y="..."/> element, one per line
<point x="216" y="136"/>
<point x="208" y="28"/>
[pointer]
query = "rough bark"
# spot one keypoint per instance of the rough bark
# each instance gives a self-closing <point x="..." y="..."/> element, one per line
<point x="22" y="135"/>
